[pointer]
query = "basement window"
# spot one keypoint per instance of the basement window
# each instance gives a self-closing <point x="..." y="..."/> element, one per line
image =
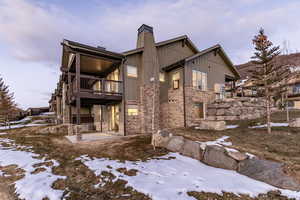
<point x="175" y="79"/>
<point x="132" y="110"/>
<point x="132" y="71"/>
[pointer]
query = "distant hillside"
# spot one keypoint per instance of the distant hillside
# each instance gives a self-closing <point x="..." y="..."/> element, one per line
<point x="293" y="59"/>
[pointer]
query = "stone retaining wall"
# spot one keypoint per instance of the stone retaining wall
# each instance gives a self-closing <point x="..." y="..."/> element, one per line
<point x="236" y="109"/>
<point x="226" y="158"/>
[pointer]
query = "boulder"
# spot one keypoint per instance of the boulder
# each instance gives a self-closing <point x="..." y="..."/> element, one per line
<point x="269" y="172"/>
<point x="192" y="149"/>
<point x="175" y="143"/>
<point x="211" y="125"/>
<point x="161" y="138"/>
<point x="295" y="123"/>
<point x="216" y="156"/>
<point x="236" y="155"/>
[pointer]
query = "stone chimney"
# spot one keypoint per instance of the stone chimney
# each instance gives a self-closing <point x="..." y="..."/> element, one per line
<point x="149" y="89"/>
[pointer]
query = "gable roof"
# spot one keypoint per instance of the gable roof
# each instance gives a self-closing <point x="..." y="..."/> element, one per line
<point x="216" y="47"/>
<point x="162" y="43"/>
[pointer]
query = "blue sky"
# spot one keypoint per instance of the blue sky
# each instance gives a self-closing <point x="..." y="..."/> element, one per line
<point x="31" y="32"/>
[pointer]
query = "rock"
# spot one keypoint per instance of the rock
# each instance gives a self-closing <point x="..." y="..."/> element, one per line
<point x="211" y="111"/>
<point x="216" y="156"/>
<point x="295" y="123"/>
<point x="220" y="112"/>
<point x="192" y="149"/>
<point x="161" y="138"/>
<point x="236" y="155"/>
<point x="269" y="172"/>
<point x="211" y="125"/>
<point x="175" y="144"/>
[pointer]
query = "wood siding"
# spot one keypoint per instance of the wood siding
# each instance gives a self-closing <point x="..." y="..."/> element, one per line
<point x="212" y="64"/>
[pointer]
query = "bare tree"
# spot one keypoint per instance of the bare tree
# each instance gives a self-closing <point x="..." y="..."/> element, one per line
<point x="268" y="74"/>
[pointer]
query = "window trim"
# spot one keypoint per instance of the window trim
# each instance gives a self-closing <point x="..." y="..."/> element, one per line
<point x="131" y="75"/>
<point x="193" y="82"/>
<point x="176" y="82"/>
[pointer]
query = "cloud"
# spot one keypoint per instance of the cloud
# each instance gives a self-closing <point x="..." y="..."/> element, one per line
<point x="33" y="31"/>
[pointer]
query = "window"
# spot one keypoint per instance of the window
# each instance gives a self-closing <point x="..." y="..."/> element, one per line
<point x="132" y="110"/>
<point x="131" y="71"/>
<point x="199" y="80"/>
<point x="161" y="77"/>
<point x="175" y="79"/>
<point x="200" y="110"/>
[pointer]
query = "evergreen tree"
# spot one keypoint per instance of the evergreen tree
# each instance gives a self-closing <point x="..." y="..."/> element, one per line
<point x="268" y="74"/>
<point x="7" y="104"/>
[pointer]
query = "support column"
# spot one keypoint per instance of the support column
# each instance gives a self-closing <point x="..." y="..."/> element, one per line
<point x="77" y="78"/>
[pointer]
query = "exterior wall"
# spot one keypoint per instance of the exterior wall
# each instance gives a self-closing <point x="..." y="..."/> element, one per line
<point x="192" y="97"/>
<point x="65" y="106"/>
<point x="173" y="52"/>
<point x="213" y="65"/>
<point x="133" y="122"/>
<point x="171" y="102"/>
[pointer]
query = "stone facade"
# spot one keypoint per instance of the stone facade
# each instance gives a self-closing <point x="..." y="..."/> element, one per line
<point x="172" y="111"/>
<point x="236" y="109"/>
<point x="192" y="97"/>
<point x="149" y="100"/>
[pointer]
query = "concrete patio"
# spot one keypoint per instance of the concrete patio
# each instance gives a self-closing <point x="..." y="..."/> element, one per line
<point x="90" y="137"/>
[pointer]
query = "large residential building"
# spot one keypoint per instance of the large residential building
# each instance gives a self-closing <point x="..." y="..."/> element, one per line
<point x="158" y="85"/>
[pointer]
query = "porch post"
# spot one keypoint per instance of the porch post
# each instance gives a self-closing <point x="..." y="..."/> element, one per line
<point x="77" y="71"/>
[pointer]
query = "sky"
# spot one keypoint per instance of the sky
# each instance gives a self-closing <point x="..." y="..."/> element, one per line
<point x="31" y="32"/>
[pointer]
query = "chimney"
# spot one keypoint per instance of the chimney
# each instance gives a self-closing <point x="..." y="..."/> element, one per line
<point x="145" y="32"/>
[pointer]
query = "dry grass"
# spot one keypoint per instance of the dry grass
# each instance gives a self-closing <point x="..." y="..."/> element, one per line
<point x="283" y="145"/>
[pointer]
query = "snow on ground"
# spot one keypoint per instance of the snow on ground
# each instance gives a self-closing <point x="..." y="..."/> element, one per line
<point x="272" y="125"/>
<point x="31" y="186"/>
<point x="21" y="126"/>
<point x="165" y="179"/>
<point x="220" y="142"/>
<point x="231" y="126"/>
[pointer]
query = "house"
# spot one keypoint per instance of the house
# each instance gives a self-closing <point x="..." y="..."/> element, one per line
<point x="36" y="111"/>
<point x="245" y="85"/>
<point x="157" y="85"/>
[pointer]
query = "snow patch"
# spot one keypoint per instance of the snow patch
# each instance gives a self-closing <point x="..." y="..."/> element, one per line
<point x="272" y="125"/>
<point x="165" y="179"/>
<point x="31" y="186"/>
<point x="231" y="126"/>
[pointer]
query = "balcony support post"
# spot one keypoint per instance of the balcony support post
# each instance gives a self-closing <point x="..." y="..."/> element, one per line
<point x="77" y="71"/>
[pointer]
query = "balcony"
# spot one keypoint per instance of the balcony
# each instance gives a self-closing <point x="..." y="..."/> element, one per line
<point x="95" y="90"/>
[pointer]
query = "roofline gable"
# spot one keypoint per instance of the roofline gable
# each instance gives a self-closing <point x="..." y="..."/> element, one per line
<point x="163" y="43"/>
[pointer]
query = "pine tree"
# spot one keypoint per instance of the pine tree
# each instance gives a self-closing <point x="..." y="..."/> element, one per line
<point x="268" y="74"/>
<point x="7" y="104"/>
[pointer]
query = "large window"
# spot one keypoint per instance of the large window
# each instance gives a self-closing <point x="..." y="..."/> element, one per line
<point x="175" y="79"/>
<point x="132" y="110"/>
<point x="199" y="80"/>
<point x="131" y="71"/>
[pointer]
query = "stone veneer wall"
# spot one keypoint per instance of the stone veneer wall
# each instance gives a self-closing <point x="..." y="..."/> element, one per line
<point x="147" y="92"/>
<point x="238" y="108"/>
<point x="193" y="96"/>
<point x="171" y="115"/>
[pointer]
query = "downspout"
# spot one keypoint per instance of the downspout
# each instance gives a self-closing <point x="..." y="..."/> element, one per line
<point x="183" y="87"/>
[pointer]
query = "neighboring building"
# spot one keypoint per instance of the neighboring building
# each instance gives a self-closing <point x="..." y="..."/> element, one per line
<point x="37" y="111"/>
<point x="245" y="85"/>
<point x="157" y="85"/>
